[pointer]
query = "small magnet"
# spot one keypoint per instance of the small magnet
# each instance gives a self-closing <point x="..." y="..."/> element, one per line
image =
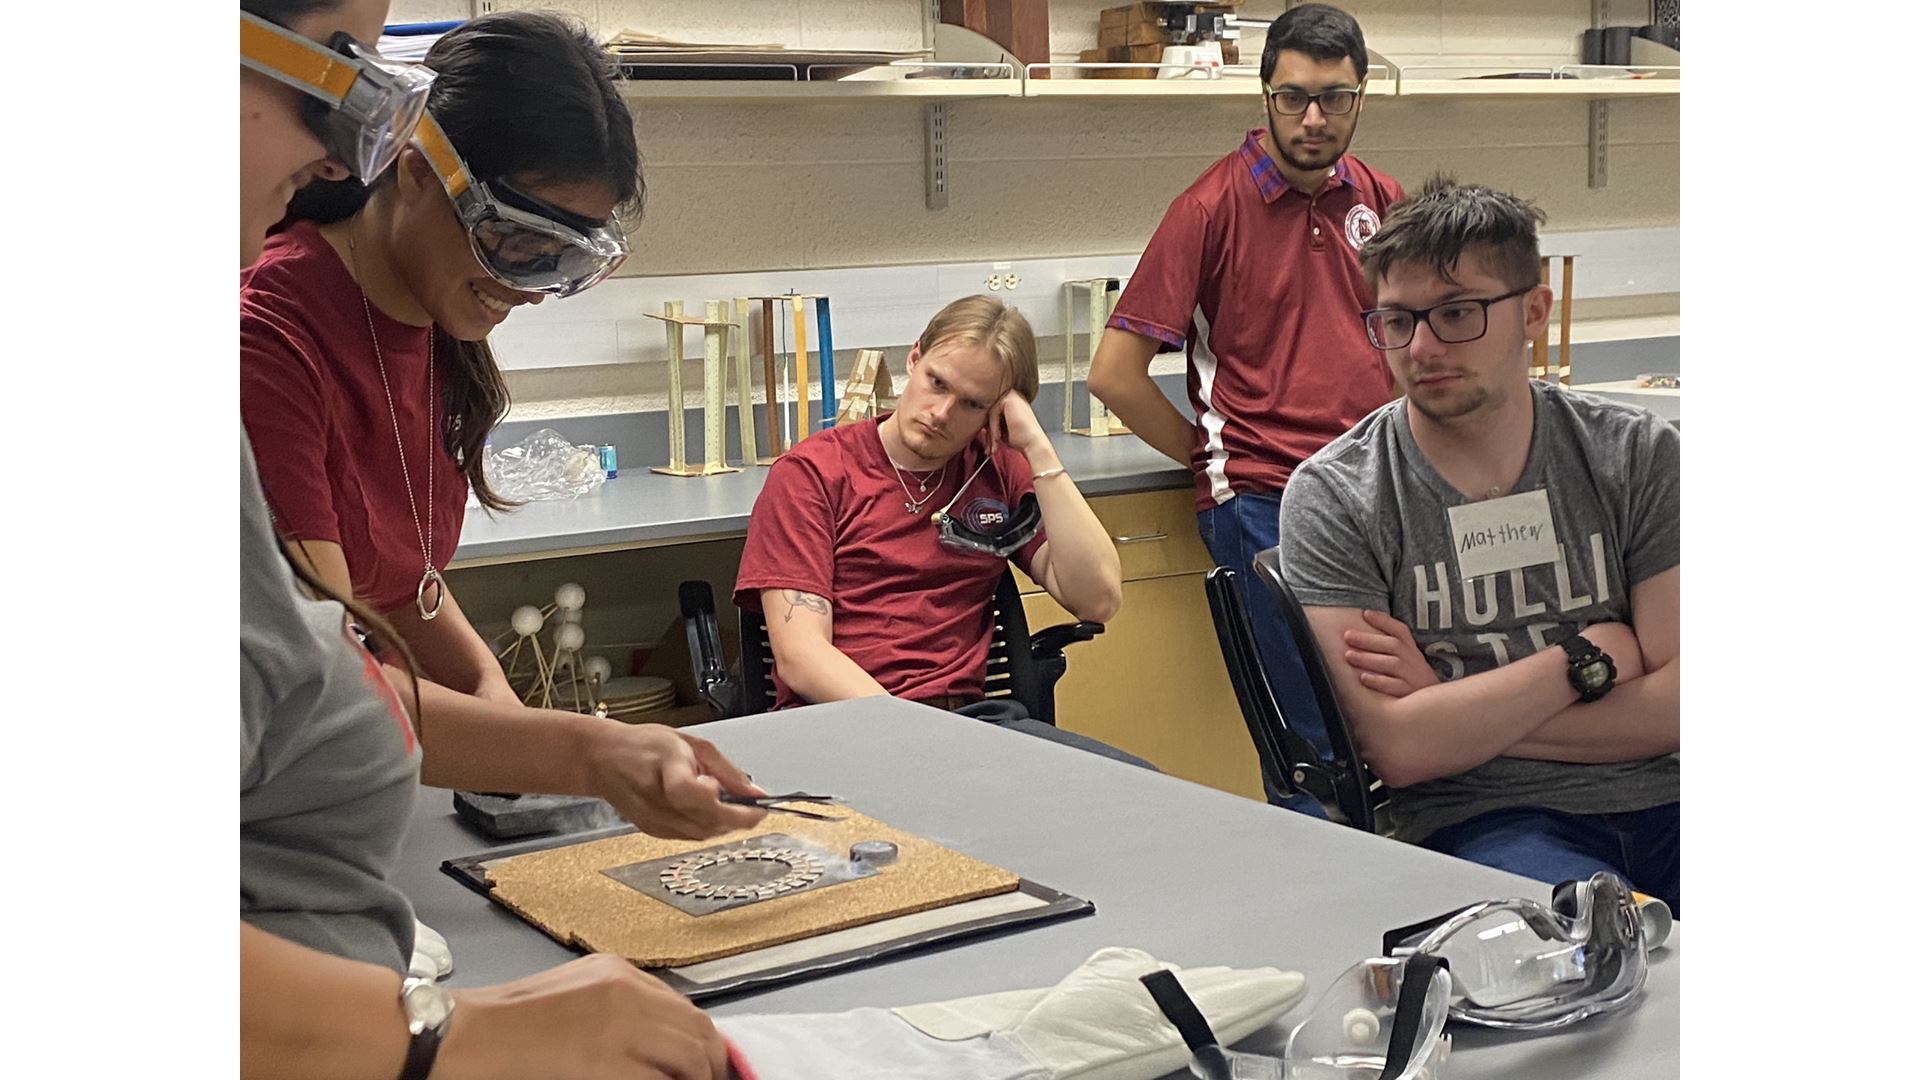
<point x="874" y="852"/>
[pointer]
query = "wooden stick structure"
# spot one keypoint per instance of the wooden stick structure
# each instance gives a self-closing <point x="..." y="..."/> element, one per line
<point x="1101" y="293"/>
<point x="802" y="385"/>
<point x="716" y="326"/>
<point x="803" y="370"/>
<point x="741" y="352"/>
<point x="1559" y="368"/>
<point x="823" y="322"/>
<point x="776" y="428"/>
<point x="869" y="388"/>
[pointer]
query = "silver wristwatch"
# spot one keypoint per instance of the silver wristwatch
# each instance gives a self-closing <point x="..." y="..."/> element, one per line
<point x="428" y="1006"/>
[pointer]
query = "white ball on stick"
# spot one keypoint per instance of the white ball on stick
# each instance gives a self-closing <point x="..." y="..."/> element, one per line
<point x="527" y="620"/>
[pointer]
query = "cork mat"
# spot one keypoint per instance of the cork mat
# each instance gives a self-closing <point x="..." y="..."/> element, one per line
<point x="563" y="892"/>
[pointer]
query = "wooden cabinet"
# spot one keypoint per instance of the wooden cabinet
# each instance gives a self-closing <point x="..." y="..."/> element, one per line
<point x="1154" y="684"/>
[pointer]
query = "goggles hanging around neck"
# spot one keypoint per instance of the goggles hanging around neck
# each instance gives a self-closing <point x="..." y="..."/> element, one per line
<point x="1526" y="966"/>
<point x="1011" y="533"/>
<point x="1382" y="1019"/>
<point x="362" y="106"/>
<point x="523" y="242"/>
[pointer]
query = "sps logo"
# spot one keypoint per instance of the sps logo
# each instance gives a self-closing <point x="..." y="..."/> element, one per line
<point x="984" y="515"/>
<point x="1362" y="223"/>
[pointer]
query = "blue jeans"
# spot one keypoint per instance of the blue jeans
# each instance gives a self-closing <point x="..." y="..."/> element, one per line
<point x="1234" y="532"/>
<point x="1642" y="846"/>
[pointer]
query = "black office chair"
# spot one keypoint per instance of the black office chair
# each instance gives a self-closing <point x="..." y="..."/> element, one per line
<point x="1343" y="786"/>
<point x="1021" y="666"/>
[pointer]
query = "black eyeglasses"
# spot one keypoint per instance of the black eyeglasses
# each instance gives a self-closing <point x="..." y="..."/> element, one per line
<point x="1290" y="102"/>
<point x="1455" y="322"/>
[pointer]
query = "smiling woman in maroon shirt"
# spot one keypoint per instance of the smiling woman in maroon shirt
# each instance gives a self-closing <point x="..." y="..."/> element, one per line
<point x="366" y="381"/>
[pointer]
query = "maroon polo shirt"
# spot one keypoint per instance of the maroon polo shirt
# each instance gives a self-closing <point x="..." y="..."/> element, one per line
<point x="313" y="404"/>
<point x="833" y="521"/>
<point x="1262" y="286"/>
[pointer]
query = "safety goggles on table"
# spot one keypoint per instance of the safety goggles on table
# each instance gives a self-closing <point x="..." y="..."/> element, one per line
<point x="362" y="106"/>
<point x="1382" y="1019"/>
<point x="1526" y="966"/>
<point x="522" y="241"/>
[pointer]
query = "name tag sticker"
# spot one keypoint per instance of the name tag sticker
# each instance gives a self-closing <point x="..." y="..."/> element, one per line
<point x="1503" y="534"/>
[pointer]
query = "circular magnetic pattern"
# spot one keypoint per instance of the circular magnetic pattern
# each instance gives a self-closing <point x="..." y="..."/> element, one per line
<point x="751" y="873"/>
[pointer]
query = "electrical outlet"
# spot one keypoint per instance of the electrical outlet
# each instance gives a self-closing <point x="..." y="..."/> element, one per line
<point x="1013" y="281"/>
<point x="993" y="282"/>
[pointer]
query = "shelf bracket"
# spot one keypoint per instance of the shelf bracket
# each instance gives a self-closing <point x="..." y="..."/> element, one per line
<point x="936" y="146"/>
<point x="1598" y="111"/>
<point x="1597" y="142"/>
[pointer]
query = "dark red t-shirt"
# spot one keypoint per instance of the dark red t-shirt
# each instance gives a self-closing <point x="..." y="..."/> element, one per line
<point x="833" y="521"/>
<point x="1262" y="286"/>
<point x="313" y="404"/>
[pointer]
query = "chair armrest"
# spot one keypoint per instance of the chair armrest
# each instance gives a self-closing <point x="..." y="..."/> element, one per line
<point x="1054" y="639"/>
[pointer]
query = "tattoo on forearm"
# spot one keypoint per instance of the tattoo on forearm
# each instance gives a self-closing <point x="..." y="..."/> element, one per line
<point x="798" y="599"/>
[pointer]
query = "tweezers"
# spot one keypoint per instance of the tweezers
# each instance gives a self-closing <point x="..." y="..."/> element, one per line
<point x="772" y="803"/>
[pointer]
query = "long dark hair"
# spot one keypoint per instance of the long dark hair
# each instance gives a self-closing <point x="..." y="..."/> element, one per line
<point x="519" y="93"/>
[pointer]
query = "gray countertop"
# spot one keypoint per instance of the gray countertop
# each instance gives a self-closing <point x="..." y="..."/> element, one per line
<point x="1191" y="875"/>
<point x="640" y="508"/>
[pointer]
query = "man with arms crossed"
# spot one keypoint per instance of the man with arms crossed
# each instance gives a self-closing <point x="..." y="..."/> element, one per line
<point x="1491" y="567"/>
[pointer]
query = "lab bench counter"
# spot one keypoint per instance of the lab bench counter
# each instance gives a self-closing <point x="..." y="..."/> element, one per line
<point x="641" y="508"/>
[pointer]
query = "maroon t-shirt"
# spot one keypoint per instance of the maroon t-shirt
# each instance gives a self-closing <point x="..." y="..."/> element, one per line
<point x="313" y="404"/>
<point x="833" y="521"/>
<point x="1262" y="286"/>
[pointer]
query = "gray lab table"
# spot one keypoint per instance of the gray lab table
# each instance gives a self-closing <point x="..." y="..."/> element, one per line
<point x="1191" y="875"/>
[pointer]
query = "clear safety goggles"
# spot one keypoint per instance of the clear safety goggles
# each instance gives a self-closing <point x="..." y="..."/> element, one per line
<point x="1000" y="538"/>
<point x="362" y="106"/>
<point x="1382" y="1019"/>
<point x="523" y="242"/>
<point x="1526" y="966"/>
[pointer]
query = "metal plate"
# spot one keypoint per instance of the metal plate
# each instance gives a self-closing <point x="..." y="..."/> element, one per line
<point x="729" y="876"/>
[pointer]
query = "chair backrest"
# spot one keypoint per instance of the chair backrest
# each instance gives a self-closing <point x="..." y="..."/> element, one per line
<point x="1010" y="668"/>
<point x="1249" y="676"/>
<point x="1346" y="752"/>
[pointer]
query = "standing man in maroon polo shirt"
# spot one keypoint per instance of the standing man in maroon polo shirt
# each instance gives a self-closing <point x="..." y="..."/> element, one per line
<point x="865" y="592"/>
<point x="1255" y="271"/>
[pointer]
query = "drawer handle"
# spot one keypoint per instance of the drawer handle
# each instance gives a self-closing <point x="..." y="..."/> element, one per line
<point x="1141" y="539"/>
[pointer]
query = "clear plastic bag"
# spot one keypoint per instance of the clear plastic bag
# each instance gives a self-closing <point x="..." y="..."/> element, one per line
<point x="544" y="465"/>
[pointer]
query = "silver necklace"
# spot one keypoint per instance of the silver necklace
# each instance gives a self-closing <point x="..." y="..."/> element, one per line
<point x="430" y="577"/>
<point x="914" y="505"/>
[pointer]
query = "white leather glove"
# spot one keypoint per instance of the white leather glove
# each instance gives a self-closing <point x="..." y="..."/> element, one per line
<point x="432" y="959"/>
<point x="1097" y="1024"/>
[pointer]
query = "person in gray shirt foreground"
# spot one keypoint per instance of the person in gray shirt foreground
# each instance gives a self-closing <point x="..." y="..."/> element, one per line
<point x="1491" y="568"/>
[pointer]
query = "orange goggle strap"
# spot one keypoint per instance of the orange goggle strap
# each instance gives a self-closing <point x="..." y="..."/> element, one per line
<point x="298" y="61"/>
<point x="445" y="160"/>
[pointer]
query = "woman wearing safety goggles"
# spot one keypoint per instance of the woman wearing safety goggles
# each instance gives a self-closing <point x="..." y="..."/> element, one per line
<point x="364" y="325"/>
<point x="330" y="759"/>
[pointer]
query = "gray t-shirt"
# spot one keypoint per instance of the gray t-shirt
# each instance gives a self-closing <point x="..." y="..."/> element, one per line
<point x="328" y="763"/>
<point x="1364" y="525"/>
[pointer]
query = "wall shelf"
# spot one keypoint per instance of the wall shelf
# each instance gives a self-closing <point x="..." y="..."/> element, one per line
<point x="1229" y="88"/>
<point x="770" y="91"/>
